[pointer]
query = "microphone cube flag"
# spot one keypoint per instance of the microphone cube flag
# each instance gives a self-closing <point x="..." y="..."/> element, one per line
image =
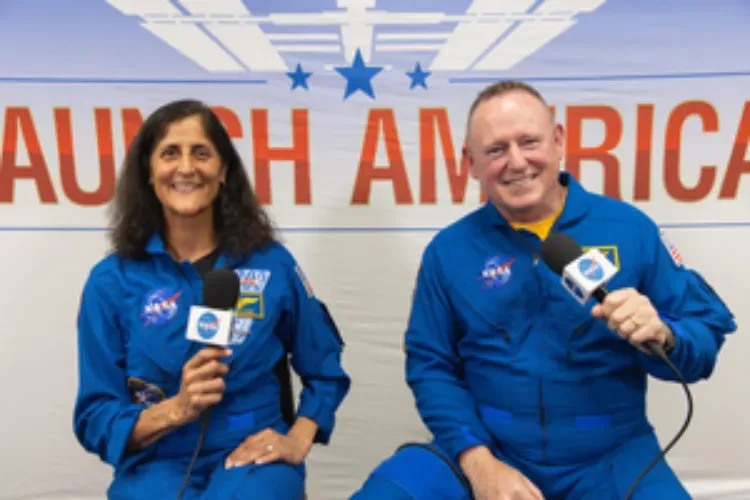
<point x="587" y="273"/>
<point x="210" y="326"/>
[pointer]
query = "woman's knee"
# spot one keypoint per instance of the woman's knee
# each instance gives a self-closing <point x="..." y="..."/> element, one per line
<point x="269" y="482"/>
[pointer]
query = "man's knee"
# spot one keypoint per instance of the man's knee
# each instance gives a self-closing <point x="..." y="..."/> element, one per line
<point x="415" y="472"/>
<point x="619" y="472"/>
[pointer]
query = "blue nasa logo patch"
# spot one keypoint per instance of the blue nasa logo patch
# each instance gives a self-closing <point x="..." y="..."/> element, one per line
<point x="208" y="325"/>
<point x="160" y="306"/>
<point x="497" y="271"/>
<point x="591" y="269"/>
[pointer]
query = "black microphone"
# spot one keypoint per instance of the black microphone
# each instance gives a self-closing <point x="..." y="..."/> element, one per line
<point x="587" y="279"/>
<point x="221" y="288"/>
<point x="211" y="323"/>
<point x="559" y="251"/>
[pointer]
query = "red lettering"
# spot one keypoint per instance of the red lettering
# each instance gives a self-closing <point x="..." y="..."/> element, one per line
<point x="738" y="162"/>
<point x="230" y="121"/>
<point x="395" y="171"/>
<point x="131" y="124"/>
<point x="431" y="123"/>
<point x="576" y="152"/>
<point x="298" y="152"/>
<point x="65" y="149"/>
<point x="643" y="147"/>
<point x="19" y="119"/>
<point x="672" y="142"/>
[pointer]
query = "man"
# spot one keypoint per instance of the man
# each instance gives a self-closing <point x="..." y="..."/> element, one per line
<point x="528" y="394"/>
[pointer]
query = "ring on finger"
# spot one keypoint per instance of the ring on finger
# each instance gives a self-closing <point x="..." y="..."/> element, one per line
<point x="269" y="448"/>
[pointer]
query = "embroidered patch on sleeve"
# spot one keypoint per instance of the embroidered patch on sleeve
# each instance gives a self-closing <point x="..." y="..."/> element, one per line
<point x="672" y="250"/>
<point x="304" y="280"/>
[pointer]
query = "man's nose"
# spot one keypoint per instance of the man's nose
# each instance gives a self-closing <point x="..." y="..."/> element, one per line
<point x="516" y="158"/>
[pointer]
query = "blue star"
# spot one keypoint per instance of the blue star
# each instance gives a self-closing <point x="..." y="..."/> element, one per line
<point x="418" y="77"/>
<point x="299" y="78"/>
<point x="358" y="76"/>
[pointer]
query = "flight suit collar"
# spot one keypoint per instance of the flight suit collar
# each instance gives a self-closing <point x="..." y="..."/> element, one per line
<point x="577" y="204"/>
<point x="157" y="246"/>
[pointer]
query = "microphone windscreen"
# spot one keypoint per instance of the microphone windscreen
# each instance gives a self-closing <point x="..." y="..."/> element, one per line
<point x="559" y="250"/>
<point x="221" y="289"/>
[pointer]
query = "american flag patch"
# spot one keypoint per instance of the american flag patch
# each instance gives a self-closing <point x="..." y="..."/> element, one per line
<point x="672" y="250"/>
<point x="305" y="282"/>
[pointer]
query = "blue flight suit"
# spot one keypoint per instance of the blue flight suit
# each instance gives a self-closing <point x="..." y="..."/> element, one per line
<point x="132" y="347"/>
<point x="500" y="354"/>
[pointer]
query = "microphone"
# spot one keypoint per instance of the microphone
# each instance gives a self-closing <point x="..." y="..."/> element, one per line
<point x="584" y="275"/>
<point x="211" y="323"/>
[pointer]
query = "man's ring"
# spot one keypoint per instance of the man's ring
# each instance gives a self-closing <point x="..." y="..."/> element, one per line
<point x="269" y="447"/>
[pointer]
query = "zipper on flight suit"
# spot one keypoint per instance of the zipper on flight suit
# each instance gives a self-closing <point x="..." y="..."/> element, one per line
<point x="541" y="304"/>
<point x="543" y="420"/>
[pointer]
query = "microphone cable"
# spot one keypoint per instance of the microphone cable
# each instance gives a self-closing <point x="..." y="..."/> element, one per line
<point x="658" y="351"/>
<point x="205" y="418"/>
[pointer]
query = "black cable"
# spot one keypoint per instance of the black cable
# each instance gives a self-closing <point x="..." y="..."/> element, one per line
<point x="658" y="351"/>
<point x="205" y="418"/>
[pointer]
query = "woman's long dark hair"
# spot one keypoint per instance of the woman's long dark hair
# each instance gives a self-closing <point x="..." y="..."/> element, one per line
<point x="240" y="222"/>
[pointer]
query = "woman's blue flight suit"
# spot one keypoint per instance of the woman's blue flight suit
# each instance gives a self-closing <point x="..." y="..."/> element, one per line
<point x="132" y="347"/>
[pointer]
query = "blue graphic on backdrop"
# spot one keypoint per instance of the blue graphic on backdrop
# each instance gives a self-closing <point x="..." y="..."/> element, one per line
<point x="299" y="78"/>
<point x="366" y="42"/>
<point x="359" y="76"/>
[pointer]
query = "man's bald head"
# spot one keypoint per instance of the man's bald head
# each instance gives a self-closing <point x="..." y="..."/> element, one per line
<point x="514" y="148"/>
<point x="502" y="88"/>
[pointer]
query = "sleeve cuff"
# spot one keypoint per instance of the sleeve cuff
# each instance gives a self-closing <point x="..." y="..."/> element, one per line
<point x="656" y="366"/>
<point x="676" y="330"/>
<point x="467" y="439"/>
<point x="121" y="430"/>
<point x="318" y="413"/>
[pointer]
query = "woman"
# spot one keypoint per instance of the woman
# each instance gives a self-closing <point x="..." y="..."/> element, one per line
<point x="184" y="206"/>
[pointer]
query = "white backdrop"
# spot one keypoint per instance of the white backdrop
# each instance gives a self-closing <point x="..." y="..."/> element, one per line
<point x="610" y="61"/>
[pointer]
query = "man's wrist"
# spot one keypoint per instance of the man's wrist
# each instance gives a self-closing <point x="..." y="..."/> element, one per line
<point x="472" y="458"/>
<point x="670" y="341"/>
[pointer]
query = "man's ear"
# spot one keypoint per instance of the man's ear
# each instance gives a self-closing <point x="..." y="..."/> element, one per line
<point x="560" y="140"/>
<point x="467" y="161"/>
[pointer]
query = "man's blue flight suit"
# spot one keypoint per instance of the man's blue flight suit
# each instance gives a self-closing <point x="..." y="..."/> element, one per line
<point x="499" y="354"/>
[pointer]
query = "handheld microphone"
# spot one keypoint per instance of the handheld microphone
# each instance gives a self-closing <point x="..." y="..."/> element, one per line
<point x="211" y="323"/>
<point x="584" y="275"/>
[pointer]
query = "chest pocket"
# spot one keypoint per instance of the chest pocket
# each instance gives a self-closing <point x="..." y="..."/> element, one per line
<point x="496" y="321"/>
